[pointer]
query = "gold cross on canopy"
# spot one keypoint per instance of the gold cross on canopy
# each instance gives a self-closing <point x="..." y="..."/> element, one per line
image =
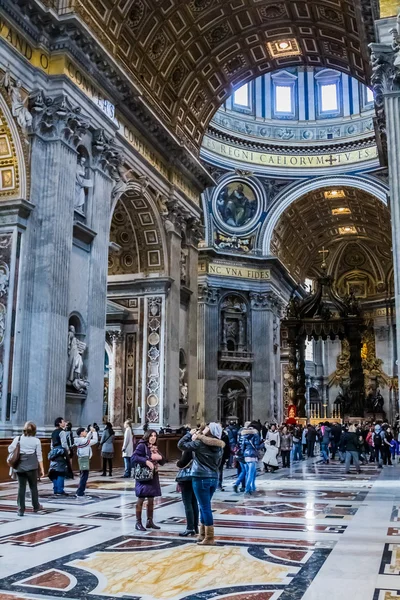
<point x="323" y="252"/>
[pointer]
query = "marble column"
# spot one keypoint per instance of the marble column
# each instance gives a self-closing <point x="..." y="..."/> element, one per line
<point x="57" y="130"/>
<point x="207" y="357"/>
<point x="262" y="325"/>
<point x="385" y="79"/>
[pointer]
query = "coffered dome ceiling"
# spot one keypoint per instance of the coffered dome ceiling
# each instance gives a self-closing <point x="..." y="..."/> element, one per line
<point x="188" y="55"/>
<point x="353" y="225"/>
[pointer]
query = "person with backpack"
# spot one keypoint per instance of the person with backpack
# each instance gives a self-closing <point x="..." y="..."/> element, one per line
<point x="60" y="467"/>
<point x="378" y="444"/>
<point x="250" y="444"/>
<point x="387" y="438"/>
<point x="297" y="436"/>
<point x="84" y="441"/>
<point x="352" y="449"/>
<point x="28" y="466"/>
<point x="107" y="448"/>
<point x="325" y="441"/>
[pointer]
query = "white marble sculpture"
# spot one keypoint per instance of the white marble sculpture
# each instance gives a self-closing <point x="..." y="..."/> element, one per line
<point x="184" y="392"/>
<point x="75" y="362"/>
<point x="82" y="184"/>
<point x="18" y="103"/>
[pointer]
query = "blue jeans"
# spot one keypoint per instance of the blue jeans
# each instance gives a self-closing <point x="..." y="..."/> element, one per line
<point x="251" y="472"/>
<point x="58" y="484"/>
<point x="82" y="483"/>
<point x="241" y="476"/>
<point x="297" y="454"/>
<point x="204" y="490"/>
<point x="325" y="451"/>
<point x="128" y="467"/>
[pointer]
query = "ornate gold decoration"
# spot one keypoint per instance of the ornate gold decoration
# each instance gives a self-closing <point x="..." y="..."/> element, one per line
<point x="334" y="194"/>
<point x="284" y="48"/>
<point x="342" y="210"/>
<point x="372" y="366"/>
<point x="348" y="229"/>
<point x="9" y="168"/>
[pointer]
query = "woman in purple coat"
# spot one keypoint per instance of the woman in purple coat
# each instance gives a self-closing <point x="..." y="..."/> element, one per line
<point x="147" y="454"/>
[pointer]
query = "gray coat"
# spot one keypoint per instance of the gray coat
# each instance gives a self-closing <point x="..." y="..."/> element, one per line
<point x="107" y="442"/>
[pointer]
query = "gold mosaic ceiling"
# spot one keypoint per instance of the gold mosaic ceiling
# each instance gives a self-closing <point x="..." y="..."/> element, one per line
<point x="354" y="226"/>
<point x="188" y="55"/>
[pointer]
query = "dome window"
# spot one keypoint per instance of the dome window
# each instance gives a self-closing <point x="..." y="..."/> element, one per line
<point x="241" y="96"/>
<point x="329" y="97"/>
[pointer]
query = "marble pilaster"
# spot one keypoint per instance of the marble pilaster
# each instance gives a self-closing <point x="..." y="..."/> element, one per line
<point x="385" y="59"/>
<point x="97" y="292"/>
<point x="171" y="400"/>
<point x="45" y="259"/>
<point x="264" y="376"/>
<point x="192" y="326"/>
<point x="207" y="357"/>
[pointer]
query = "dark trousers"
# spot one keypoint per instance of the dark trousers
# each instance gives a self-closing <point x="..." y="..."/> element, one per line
<point x="190" y="504"/>
<point x="204" y="490"/>
<point x="29" y="477"/>
<point x="105" y="462"/>
<point x="310" y="449"/>
<point x="285" y="458"/>
<point x="333" y="448"/>
<point x="221" y="474"/>
<point x="386" y="455"/>
<point x="82" y="483"/>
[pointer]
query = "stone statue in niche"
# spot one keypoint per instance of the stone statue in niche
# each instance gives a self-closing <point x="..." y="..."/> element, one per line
<point x="184" y="393"/>
<point x="75" y="362"/>
<point x="82" y="184"/>
<point x="183" y="267"/>
<point x="18" y="103"/>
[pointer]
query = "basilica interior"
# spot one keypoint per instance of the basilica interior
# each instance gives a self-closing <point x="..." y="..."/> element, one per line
<point x="199" y="222"/>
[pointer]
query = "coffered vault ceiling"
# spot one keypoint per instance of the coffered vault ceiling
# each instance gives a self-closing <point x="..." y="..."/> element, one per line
<point x="188" y="55"/>
<point x="354" y="228"/>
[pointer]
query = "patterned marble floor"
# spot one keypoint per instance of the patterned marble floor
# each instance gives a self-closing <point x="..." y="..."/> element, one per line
<point x="311" y="532"/>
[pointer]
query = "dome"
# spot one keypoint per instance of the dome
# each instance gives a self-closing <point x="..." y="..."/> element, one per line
<point x="303" y="113"/>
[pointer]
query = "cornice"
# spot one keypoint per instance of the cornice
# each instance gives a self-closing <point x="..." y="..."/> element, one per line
<point x="280" y="149"/>
<point x="67" y="34"/>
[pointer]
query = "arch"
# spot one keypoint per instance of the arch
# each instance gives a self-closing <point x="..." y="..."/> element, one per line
<point x="191" y="54"/>
<point x="228" y="378"/>
<point x="138" y="234"/>
<point x="14" y="172"/>
<point x="298" y="190"/>
<point x="76" y="319"/>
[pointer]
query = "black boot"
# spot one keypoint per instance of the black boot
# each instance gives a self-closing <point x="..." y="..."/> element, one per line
<point x="150" y="511"/>
<point x="139" y="524"/>
<point x="187" y="532"/>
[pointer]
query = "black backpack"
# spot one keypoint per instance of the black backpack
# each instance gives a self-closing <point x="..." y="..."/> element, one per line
<point x="377" y="440"/>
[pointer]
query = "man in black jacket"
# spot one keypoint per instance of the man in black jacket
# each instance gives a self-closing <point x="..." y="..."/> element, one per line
<point x="352" y="447"/>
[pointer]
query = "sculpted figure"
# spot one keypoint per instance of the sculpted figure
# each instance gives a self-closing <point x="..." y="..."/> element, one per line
<point x="75" y="362"/>
<point x="81" y="184"/>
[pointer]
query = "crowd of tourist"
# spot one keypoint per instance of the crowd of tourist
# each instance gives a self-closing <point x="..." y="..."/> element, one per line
<point x="206" y="451"/>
